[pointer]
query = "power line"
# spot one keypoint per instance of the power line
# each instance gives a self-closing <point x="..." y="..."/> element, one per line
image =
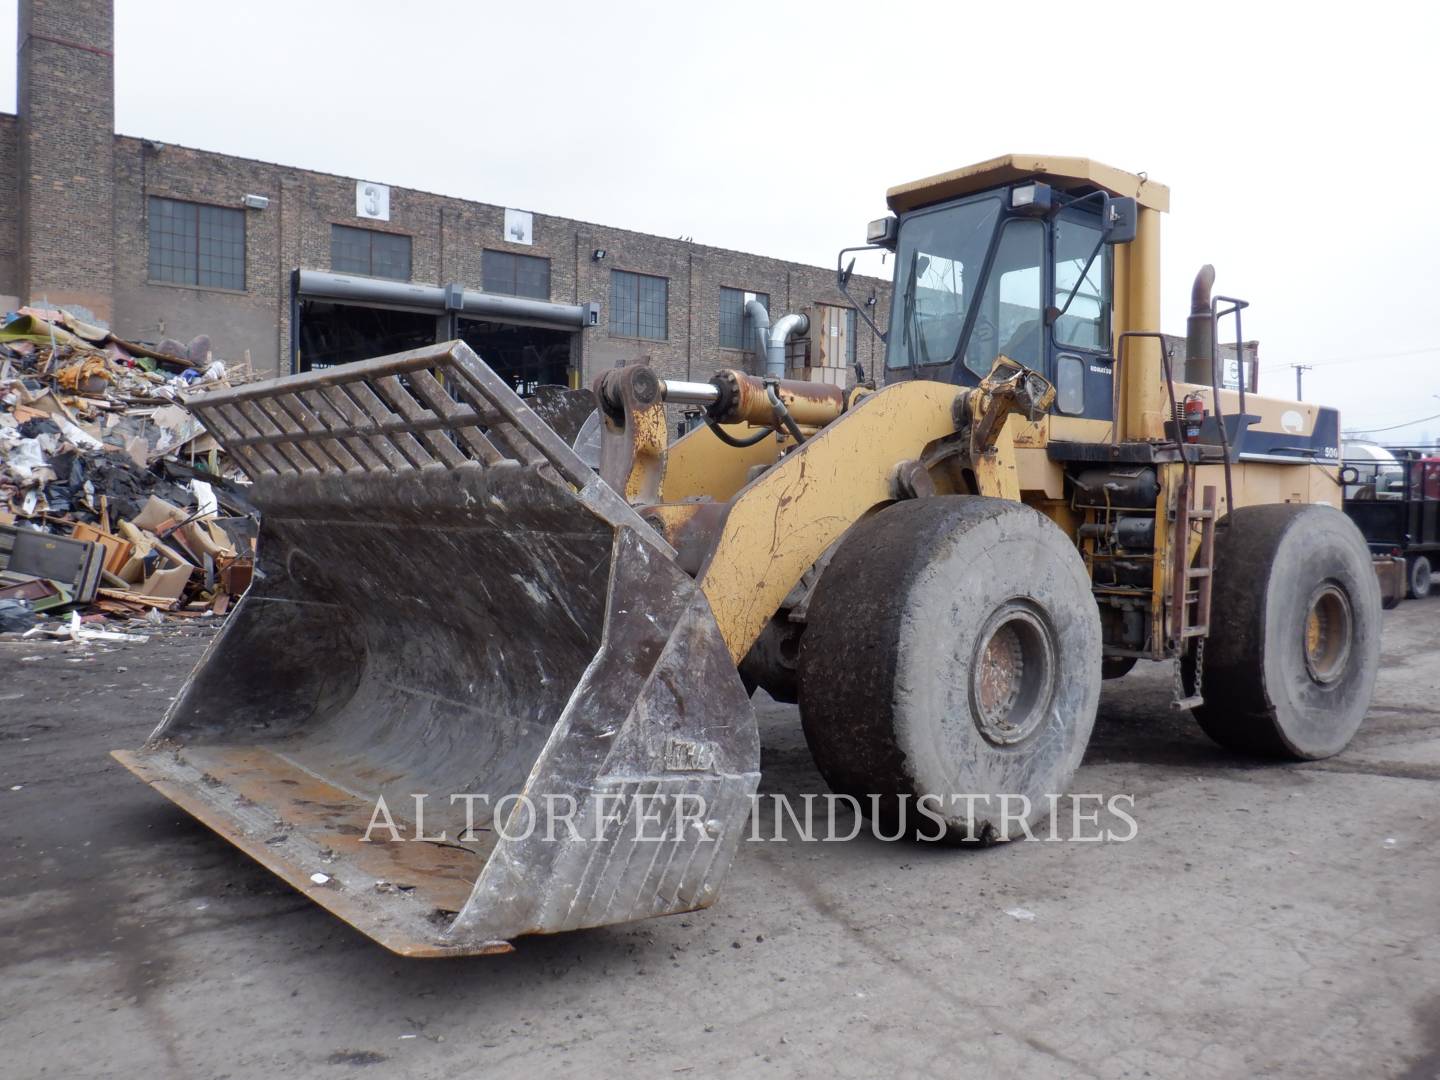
<point x="1394" y="427"/>
<point x="1374" y="356"/>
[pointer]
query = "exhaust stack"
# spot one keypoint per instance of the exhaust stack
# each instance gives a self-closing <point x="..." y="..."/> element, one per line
<point x="1200" y="330"/>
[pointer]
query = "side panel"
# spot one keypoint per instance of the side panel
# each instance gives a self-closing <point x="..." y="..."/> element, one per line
<point x="783" y="522"/>
<point x="699" y="464"/>
<point x="1261" y="482"/>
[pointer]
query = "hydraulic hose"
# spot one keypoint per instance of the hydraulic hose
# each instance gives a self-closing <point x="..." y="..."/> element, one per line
<point x="730" y="440"/>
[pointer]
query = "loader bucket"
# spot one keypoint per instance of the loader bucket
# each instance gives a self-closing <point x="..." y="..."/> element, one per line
<point x="456" y="627"/>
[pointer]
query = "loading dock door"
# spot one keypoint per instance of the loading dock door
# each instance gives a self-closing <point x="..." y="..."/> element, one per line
<point x="333" y="333"/>
<point x="524" y="356"/>
<point x="339" y="318"/>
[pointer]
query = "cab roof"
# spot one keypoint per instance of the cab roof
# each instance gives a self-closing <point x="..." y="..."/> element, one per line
<point x="1063" y="172"/>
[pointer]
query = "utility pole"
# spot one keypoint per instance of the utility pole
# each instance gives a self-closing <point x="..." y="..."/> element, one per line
<point x="1300" y="370"/>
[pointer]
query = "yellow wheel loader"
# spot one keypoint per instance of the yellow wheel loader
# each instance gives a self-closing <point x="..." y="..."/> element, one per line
<point x="536" y="667"/>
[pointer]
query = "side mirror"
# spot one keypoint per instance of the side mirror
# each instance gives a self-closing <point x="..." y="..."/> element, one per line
<point x="844" y="275"/>
<point x="1121" y="217"/>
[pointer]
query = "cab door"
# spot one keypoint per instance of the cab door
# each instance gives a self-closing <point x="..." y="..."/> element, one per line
<point x="1081" y="364"/>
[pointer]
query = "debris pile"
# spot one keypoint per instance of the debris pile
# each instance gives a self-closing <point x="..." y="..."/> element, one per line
<point x="114" y="501"/>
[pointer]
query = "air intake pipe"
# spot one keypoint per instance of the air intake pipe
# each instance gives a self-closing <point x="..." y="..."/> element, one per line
<point x="756" y="312"/>
<point x="783" y="330"/>
<point x="770" y="340"/>
<point x="1200" y="330"/>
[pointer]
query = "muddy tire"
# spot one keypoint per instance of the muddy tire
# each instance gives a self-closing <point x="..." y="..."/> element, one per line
<point x="952" y="649"/>
<point x="1291" y="660"/>
<point x="1417" y="581"/>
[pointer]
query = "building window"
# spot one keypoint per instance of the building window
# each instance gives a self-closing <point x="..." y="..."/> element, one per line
<point x="736" y="331"/>
<point x="194" y="244"/>
<point x="516" y="275"/>
<point x="364" y="251"/>
<point x="638" y="305"/>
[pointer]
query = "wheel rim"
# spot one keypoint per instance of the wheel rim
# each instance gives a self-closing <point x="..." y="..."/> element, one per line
<point x="1012" y="674"/>
<point x="1329" y="630"/>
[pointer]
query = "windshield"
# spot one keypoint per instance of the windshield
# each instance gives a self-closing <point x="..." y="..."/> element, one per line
<point x="937" y="250"/>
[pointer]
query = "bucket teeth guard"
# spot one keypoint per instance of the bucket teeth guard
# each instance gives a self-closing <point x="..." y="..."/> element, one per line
<point x="451" y="613"/>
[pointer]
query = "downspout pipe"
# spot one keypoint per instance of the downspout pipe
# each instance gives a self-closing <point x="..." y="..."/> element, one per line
<point x="784" y="329"/>
<point x="770" y="340"/>
<point x="759" y="318"/>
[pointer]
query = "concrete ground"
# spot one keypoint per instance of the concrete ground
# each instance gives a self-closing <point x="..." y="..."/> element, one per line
<point x="1265" y="921"/>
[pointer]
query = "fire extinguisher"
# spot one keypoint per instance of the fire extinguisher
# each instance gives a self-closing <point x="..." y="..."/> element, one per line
<point x="1195" y="413"/>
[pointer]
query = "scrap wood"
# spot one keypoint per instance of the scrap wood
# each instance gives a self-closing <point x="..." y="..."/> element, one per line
<point x="125" y="596"/>
<point x="117" y="549"/>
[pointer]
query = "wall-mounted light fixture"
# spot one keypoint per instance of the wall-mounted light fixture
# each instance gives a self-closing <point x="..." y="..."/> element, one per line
<point x="255" y="202"/>
<point x="873" y="299"/>
<point x="598" y="254"/>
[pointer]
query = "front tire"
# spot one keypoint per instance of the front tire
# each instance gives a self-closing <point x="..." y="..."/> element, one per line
<point x="952" y="649"/>
<point x="1418" y="582"/>
<point x="1291" y="660"/>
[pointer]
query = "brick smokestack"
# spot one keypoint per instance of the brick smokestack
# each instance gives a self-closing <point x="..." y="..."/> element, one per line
<point x="67" y="147"/>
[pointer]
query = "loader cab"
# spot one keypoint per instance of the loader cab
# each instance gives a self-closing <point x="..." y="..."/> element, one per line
<point x="1024" y="271"/>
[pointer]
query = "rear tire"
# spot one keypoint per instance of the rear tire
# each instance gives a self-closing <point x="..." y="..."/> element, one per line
<point x="1418" y="581"/>
<point x="952" y="648"/>
<point x="1291" y="663"/>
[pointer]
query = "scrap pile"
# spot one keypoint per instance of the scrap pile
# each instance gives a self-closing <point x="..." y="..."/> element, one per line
<point x="114" y="501"/>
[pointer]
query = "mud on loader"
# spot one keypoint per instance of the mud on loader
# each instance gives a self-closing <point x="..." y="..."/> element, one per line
<point x="450" y="600"/>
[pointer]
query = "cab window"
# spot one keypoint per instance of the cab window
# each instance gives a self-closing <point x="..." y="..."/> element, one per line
<point x="1086" y="323"/>
<point x="940" y="255"/>
<point x="1010" y="321"/>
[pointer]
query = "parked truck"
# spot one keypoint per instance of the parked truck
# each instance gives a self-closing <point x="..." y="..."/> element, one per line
<point x="1393" y="495"/>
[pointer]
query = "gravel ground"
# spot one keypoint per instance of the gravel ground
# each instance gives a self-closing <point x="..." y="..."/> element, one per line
<point x="1265" y="921"/>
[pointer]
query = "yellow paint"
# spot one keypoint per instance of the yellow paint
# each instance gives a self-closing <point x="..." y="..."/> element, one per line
<point x="1079" y="429"/>
<point x="1012" y="168"/>
<point x="1144" y="403"/>
<point x="701" y="465"/>
<point x="1037" y="473"/>
<point x="786" y="519"/>
<point x="995" y="472"/>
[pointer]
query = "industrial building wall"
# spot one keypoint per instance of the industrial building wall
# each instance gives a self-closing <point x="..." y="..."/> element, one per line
<point x="9" y="212"/>
<point x="77" y="202"/>
<point x="448" y="238"/>
<point x="236" y="320"/>
<point x="66" y="110"/>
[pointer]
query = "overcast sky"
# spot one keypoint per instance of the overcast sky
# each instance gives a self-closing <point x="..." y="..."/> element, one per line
<point x="1298" y="143"/>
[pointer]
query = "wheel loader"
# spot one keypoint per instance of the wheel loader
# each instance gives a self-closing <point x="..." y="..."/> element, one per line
<point x="459" y="623"/>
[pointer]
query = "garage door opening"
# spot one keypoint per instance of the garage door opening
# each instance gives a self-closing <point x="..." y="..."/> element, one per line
<point x="341" y="318"/>
<point x="333" y="334"/>
<point x="524" y="356"/>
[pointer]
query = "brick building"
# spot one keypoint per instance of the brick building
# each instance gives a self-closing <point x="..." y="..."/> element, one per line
<point x="302" y="268"/>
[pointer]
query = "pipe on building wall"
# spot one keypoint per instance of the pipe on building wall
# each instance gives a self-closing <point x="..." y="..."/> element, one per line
<point x="757" y="313"/>
<point x="783" y="330"/>
<point x="323" y="285"/>
<point x="770" y="340"/>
